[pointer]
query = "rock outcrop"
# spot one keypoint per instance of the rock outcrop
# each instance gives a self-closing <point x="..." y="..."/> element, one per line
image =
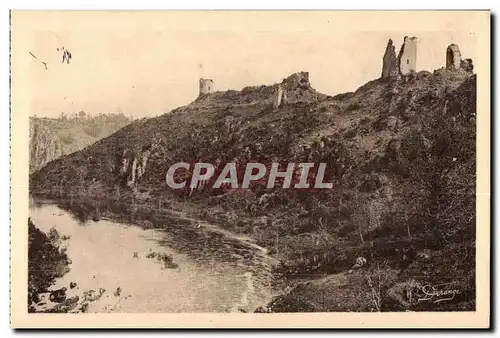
<point x="53" y="138"/>
<point x="133" y="165"/>
<point x="44" y="145"/>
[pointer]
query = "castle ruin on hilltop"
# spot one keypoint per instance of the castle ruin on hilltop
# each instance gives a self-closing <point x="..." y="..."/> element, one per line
<point x="407" y="58"/>
<point x="287" y="87"/>
<point x="454" y="60"/>
<point x="390" y="61"/>
<point x="453" y="57"/>
<point x="206" y="86"/>
<point x="406" y="61"/>
<point x="393" y="65"/>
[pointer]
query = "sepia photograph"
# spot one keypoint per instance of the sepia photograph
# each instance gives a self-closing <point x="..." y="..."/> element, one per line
<point x="243" y="164"/>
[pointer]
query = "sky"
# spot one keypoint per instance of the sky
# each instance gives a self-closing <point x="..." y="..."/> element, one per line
<point x="145" y="63"/>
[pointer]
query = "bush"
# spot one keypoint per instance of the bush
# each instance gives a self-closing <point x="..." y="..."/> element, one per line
<point x="45" y="262"/>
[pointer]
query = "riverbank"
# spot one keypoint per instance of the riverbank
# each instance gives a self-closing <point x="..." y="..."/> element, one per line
<point x="48" y="263"/>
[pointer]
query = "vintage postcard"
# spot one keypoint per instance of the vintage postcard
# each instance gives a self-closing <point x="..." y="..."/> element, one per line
<point x="250" y="169"/>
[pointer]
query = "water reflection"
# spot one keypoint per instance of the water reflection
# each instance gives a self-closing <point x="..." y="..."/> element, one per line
<point x="211" y="273"/>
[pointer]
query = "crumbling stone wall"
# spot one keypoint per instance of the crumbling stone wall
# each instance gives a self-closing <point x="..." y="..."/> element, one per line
<point x="390" y="61"/>
<point x="454" y="60"/>
<point x="297" y="80"/>
<point x="206" y="86"/>
<point x="280" y="99"/>
<point x="453" y="57"/>
<point x="407" y="58"/>
<point x="291" y="89"/>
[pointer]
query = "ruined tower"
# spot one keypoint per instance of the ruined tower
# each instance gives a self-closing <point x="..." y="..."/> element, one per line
<point x="390" y="61"/>
<point x="453" y="57"/>
<point x="206" y="86"/>
<point x="407" y="58"/>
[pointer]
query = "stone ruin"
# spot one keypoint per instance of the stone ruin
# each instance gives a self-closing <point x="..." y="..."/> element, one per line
<point x="206" y="86"/>
<point x="407" y="58"/>
<point x="297" y="80"/>
<point x="280" y="98"/>
<point x="406" y="61"/>
<point x="390" y="61"/>
<point x="453" y="57"/>
<point x="454" y="60"/>
<point x="286" y="88"/>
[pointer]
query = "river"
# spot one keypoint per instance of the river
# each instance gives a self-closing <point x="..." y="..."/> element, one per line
<point x="216" y="272"/>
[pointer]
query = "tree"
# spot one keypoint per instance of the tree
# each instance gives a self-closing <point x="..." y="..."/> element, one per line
<point x="82" y="114"/>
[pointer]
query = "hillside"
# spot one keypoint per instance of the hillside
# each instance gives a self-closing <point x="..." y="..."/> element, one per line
<point x="400" y="151"/>
<point x="52" y="138"/>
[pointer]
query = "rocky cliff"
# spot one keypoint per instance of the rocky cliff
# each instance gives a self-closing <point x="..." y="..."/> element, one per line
<point x="44" y="145"/>
<point x="52" y="138"/>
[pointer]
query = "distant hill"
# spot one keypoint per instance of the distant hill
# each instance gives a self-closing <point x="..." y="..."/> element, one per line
<point x="400" y="151"/>
<point x="52" y="138"/>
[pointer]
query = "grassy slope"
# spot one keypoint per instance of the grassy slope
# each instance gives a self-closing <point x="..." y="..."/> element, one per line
<point x="401" y="154"/>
